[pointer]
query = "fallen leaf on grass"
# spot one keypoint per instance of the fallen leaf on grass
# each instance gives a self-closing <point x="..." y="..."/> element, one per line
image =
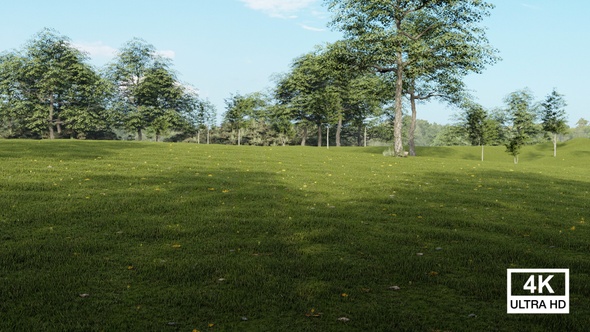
<point x="344" y="319"/>
<point x="394" y="288"/>
<point x="84" y="295"/>
<point x="313" y="313"/>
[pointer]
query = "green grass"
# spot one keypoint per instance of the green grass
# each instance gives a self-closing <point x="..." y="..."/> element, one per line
<point x="175" y="237"/>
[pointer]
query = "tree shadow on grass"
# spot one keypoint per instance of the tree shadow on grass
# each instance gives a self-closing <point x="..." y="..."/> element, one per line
<point x="182" y="247"/>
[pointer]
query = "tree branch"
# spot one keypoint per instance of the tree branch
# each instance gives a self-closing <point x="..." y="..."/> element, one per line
<point x="384" y="70"/>
<point x="428" y="96"/>
<point x="420" y="35"/>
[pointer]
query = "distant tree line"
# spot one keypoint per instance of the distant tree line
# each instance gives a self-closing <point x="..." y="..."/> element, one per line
<point x="48" y="90"/>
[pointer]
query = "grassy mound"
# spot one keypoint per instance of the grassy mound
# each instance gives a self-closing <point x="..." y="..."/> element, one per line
<point x="130" y="236"/>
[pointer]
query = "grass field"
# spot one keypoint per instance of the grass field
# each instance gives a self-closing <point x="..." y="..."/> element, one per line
<point x="115" y="236"/>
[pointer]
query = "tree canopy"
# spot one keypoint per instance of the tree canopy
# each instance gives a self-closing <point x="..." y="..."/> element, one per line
<point x="322" y="89"/>
<point x="49" y="87"/>
<point x="148" y="92"/>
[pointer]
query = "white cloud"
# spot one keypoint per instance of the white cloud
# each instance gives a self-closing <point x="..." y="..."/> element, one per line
<point x="307" y="27"/>
<point x="97" y="49"/>
<point x="278" y="8"/>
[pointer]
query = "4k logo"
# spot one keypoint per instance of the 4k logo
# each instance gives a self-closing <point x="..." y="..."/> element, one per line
<point x="543" y="283"/>
<point x="538" y="291"/>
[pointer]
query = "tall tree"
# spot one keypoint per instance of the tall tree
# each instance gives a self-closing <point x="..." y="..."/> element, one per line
<point x="359" y="93"/>
<point x="477" y="124"/>
<point x="325" y="87"/>
<point x="48" y="86"/>
<point x="309" y="93"/>
<point x="239" y="108"/>
<point x="149" y="94"/>
<point x="521" y="110"/>
<point x="398" y="35"/>
<point x="162" y="100"/>
<point x="553" y="113"/>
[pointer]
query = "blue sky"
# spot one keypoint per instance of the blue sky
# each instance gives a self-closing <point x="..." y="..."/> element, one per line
<point x="228" y="46"/>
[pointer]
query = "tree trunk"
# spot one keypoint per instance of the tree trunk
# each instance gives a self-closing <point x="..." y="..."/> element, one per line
<point x="339" y="129"/>
<point x="304" y="138"/>
<point x="157" y="136"/>
<point x="198" y="137"/>
<point x="398" y="146"/>
<point x="239" y="136"/>
<point x="365" y="136"/>
<point x="482" y="152"/>
<point x="554" y="144"/>
<point x="58" y="125"/>
<point x="139" y="134"/>
<point x="10" y="130"/>
<point x="515" y="159"/>
<point x="208" y="135"/>
<point x="319" y="135"/>
<point x="51" y="134"/>
<point x="413" y="123"/>
<point x="50" y="118"/>
<point x="359" y="134"/>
